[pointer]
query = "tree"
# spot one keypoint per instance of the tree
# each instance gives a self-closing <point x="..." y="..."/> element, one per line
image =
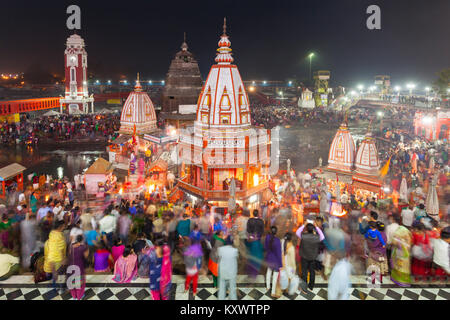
<point x="442" y="84"/>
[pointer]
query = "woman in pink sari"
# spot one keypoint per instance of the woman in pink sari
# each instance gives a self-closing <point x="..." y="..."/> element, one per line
<point x="125" y="268"/>
<point x="160" y="271"/>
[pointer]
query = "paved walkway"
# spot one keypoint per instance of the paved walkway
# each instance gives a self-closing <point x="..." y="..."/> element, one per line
<point x="101" y="287"/>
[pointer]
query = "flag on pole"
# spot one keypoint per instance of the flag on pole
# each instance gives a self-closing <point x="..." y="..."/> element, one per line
<point x="134" y="134"/>
<point x="385" y="168"/>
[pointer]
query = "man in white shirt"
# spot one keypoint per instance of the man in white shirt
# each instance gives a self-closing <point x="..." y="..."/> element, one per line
<point x="408" y="216"/>
<point x="228" y="256"/>
<point x="57" y="210"/>
<point x="108" y="226"/>
<point x="394" y="221"/>
<point x="75" y="232"/>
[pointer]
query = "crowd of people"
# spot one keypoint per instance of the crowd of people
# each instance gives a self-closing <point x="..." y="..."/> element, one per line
<point x="148" y="237"/>
<point x="48" y="230"/>
<point x="59" y="128"/>
<point x="271" y="116"/>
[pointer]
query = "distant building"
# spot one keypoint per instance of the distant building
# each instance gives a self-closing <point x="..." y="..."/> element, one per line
<point x="182" y="87"/>
<point x="306" y="100"/>
<point x="76" y="99"/>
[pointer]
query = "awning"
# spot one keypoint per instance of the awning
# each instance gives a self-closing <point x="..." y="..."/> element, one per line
<point x="123" y="138"/>
<point x="11" y="171"/>
<point x="366" y="186"/>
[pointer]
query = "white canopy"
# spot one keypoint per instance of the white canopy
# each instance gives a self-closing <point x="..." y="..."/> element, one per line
<point x="105" y="111"/>
<point x="52" y="113"/>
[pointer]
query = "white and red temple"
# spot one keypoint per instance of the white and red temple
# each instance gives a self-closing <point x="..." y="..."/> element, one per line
<point x="138" y="113"/>
<point x="222" y="144"/>
<point x="76" y="98"/>
<point x="367" y="165"/>
<point x="356" y="172"/>
<point x="138" y="130"/>
<point x="342" y="151"/>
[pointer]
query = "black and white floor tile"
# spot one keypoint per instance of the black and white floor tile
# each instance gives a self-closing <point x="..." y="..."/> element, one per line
<point x="101" y="287"/>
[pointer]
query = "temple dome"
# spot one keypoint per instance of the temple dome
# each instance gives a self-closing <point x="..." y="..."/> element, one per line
<point x="342" y="150"/>
<point x="138" y="111"/>
<point x="223" y="100"/>
<point x="367" y="162"/>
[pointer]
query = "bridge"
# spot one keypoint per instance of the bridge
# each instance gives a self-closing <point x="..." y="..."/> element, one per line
<point x="11" y="108"/>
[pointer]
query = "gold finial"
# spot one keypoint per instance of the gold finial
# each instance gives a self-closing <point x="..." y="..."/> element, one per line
<point x="138" y="76"/>
<point x="224" y="26"/>
<point x="185" y="36"/>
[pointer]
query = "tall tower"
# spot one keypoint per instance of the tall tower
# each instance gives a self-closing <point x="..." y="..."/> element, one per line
<point x="182" y="87"/>
<point x="75" y="64"/>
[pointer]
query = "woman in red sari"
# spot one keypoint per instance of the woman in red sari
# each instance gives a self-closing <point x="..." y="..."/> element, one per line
<point x="422" y="252"/>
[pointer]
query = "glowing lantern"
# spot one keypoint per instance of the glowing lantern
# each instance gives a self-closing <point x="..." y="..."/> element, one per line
<point x="255" y="179"/>
<point x="121" y="191"/>
<point x="46" y="198"/>
<point x="336" y="213"/>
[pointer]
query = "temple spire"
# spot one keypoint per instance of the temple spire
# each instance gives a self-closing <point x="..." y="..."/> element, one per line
<point x="138" y="86"/>
<point x="184" y="46"/>
<point x="224" y="50"/>
<point x="224" y="26"/>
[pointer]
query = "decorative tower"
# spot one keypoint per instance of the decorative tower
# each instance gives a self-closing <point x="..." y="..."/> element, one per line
<point x="223" y="145"/>
<point x="342" y="150"/>
<point x="138" y="114"/>
<point x="182" y="87"/>
<point x="76" y="97"/>
<point x="367" y="162"/>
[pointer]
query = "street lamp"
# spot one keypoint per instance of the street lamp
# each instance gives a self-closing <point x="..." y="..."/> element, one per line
<point x="109" y="81"/>
<point x="311" y="55"/>
<point x="410" y="86"/>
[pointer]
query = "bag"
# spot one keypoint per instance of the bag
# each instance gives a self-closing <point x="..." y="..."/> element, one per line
<point x="423" y="253"/>
<point x="293" y="285"/>
<point x="284" y="280"/>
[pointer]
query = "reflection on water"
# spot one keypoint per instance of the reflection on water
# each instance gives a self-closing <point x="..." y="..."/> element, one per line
<point x="302" y="145"/>
<point x="66" y="161"/>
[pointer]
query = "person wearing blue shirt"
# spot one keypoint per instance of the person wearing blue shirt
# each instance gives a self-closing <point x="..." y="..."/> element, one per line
<point x="373" y="233"/>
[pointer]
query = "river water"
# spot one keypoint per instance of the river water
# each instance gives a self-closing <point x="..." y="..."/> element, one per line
<point x="67" y="160"/>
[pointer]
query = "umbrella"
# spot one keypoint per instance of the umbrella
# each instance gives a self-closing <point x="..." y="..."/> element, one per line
<point x="404" y="190"/>
<point x="51" y="113"/>
<point x="76" y="111"/>
<point x="232" y="200"/>
<point x="432" y="202"/>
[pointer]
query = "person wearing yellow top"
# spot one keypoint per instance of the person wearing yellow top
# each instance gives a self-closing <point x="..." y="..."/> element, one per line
<point x="55" y="251"/>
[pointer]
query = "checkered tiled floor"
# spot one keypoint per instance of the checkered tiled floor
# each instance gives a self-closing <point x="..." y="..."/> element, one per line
<point x="101" y="287"/>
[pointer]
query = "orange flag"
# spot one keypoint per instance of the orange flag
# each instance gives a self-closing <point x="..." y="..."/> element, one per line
<point x="385" y="168"/>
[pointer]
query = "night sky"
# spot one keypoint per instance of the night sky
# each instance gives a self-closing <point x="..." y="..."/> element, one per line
<point x="270" y="39"/>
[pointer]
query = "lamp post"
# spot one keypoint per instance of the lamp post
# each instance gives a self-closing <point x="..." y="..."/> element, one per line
<point x="310" y="62"/>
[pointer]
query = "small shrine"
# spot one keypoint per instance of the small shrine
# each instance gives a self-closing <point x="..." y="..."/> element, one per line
<point x="306" y="100"/>
<point x="342" y="150"/>
<point x="138" y="133"/>
<point x="367" y="165"/>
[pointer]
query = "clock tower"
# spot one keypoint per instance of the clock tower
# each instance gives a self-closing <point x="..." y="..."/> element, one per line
<point x="76" y="97"/>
